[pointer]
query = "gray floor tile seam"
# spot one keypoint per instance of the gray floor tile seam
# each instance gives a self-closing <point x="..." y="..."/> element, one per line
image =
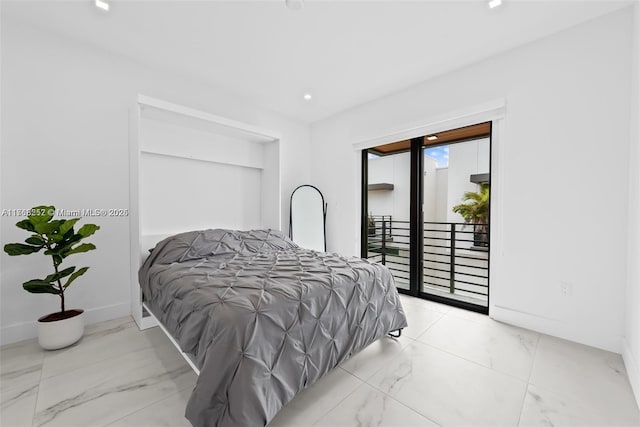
<point x="556" y="392"/>
<point x="98" y="336"/>
<point x="388" y="395"/>
<point x="324" y="413"/>
<point x="563" y="395"/>
<point x="23" y="393"/>
<point x="470" y="319"/>
<point x="474" y="362"/>
<point x="151" y="403"/>
<point x="12" y="345"/>
<point x="131" y="324"/>
<point x="35" y="406"/>
<point x="405" y="405"/>
<point x="327" y="412"/>
<point x="13" y="388"/>
<point x="167" y="397"/>
<point x="430" y="326"/>
<point x="382" y="367"/>
<point x="533" y="362"/>
<point x="380" y="391"/>
<point x="95" y="361"/>
<point x="419" y="305"/>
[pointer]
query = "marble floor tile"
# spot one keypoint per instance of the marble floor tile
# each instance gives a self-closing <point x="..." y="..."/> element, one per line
<point x="368" y="407"/>
<point x="507" y="349"/>
<point x="450" y="390"/>
<point x="17" y="406"/>
<point x="469" y="315"/>
<point x="375" y="356"/>
<point x="590" y="376"/>
<point x="312" y="403"/>
<point x="420" y="318"/>
<point x="106" y="391"/>
<point x="21" y="365"/>
<point x="166" y="413"/>
<point x="110" y="340"/>
<point x="545" y="408"/>
<point x="423" y="303"/>
<point x="120" y="376"/>
<point x="108" y="327"/>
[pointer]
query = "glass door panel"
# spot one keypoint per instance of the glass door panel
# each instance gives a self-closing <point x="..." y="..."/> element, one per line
<point x="388" y="213"/>
<point x="456" y="221"/>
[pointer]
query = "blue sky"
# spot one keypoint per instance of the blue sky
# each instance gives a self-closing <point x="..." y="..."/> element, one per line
<point x="440" y="154"/>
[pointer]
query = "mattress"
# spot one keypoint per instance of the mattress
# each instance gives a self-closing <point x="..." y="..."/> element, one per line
<point x="263" y="318"/>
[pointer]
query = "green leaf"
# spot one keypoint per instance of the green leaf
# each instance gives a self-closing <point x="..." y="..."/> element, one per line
<point x="40" y="287"/>
<point x="75" y="275"/>
<point x="57" y="276"/>
<point x="41" y="214"/>
<point x="68" y="225"/>
<point x="55" y="251"/>
<point x="25" y="224"/>
<point x="35" y="240"/>
<point x="14" y="249"/>
<point x="84" y="247"/>
<point x="48" y="228"/>
<point x="88" y="229"/>
<point x="63" y="243"/>
<point x="56" y="238"/>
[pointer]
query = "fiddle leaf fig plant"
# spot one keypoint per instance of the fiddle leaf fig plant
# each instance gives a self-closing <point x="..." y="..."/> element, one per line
<point x="58" y="239"/>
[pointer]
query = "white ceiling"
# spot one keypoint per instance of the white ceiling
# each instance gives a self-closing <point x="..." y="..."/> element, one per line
<point x="343" y="52"/>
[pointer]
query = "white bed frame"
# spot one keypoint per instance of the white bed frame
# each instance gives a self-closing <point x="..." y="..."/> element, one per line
<point x="176" y="141"/>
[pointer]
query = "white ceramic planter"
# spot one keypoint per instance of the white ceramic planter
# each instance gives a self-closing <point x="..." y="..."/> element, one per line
<point x="60" y="333"/>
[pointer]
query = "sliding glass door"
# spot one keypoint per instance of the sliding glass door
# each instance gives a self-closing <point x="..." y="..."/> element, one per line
<point x="456" y="221"/>
<point x="426" y="214"/>
<point x="388" y="226"/>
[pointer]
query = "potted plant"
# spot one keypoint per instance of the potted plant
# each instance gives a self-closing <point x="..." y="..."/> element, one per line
<point x="371" y="225"/>
<point x="475" y="210"/>
<point x="58" y="239"/>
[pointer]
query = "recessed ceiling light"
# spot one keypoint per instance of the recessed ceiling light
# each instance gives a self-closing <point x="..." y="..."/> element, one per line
<point x="101" y="4"/>
<point x="432" y="138"/>
<point x="494" y="3"/>
<point x="294" y="4"/>
<point x="307" y="96"/>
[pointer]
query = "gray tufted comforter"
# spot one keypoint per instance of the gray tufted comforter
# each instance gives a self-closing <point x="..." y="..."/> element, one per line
<point x="262" y="317"/>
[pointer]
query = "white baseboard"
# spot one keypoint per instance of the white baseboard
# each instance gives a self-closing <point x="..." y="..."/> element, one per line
<point x="556" y="328"/>
<point x="27" y="330"/>
<point x="633" y="369"/>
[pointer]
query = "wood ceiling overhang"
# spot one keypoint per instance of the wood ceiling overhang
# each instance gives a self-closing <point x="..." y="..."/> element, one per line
<point x="467" y="133"/>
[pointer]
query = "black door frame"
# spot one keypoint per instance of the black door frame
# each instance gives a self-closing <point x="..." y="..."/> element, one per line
<point x="416" y="225"/>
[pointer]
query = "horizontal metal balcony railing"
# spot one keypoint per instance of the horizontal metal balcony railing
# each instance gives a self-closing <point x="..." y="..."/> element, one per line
<point x="455" y="255"/>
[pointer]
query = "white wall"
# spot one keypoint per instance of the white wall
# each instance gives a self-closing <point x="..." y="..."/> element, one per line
<point x="567" y="108"/>
<point x="394" y="169"/>
<point x="442" y="191"/>
<point x="465" y="159"/>
<point x="65" y="142"/>
<point x="429" y="190"/>
<point x="631" y="349"/>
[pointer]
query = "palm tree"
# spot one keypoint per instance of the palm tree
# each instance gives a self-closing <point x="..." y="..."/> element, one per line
<point x="475" y="210"/>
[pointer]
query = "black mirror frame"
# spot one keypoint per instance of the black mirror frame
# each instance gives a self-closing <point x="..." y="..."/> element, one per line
<point x="324" y="213"/>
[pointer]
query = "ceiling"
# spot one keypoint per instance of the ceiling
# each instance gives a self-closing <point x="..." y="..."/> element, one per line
<point x="345" y="53"/>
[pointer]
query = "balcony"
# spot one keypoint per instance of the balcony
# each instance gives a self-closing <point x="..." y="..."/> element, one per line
<point x="455" y="256"/>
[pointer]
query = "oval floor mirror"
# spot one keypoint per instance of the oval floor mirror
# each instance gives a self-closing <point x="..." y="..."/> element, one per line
<point x="307" y="218"/>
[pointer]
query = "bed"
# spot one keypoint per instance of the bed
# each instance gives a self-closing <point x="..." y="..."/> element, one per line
<point x="262" y="318"/>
